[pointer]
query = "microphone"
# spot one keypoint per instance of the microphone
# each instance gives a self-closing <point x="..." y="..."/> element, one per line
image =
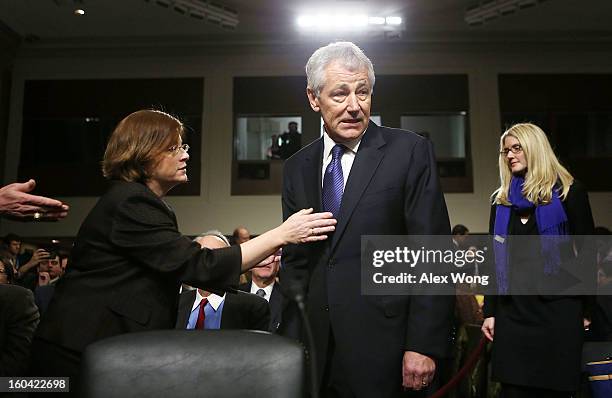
<point x="294" y="291"/>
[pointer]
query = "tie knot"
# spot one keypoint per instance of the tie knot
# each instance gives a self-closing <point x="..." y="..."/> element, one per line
<point x="261" y="293"/>
<point x="337" y="151"/>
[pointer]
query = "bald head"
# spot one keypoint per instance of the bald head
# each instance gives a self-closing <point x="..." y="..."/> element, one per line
<point x="212" y="240"/>
<point x="241" y="235"/>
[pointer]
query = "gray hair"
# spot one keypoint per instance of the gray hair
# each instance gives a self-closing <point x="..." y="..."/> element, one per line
<point x="216" y="233"/>
<point x="346" y="53"/>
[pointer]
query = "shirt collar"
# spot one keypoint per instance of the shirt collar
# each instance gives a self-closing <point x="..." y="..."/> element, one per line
<point x="213" y="299"/>
<point x="267" y="289"/>
<point x="328" y="144"/>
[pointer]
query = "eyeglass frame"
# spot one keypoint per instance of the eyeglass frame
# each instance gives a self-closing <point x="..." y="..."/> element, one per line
<point x="516" y="148"/>
<point x="175" y="149"/>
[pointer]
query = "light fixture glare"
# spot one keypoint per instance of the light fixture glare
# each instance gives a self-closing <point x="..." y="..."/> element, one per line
<point x="394" y="20"/>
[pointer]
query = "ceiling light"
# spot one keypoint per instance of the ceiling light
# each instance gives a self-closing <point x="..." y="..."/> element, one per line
<point x="393" y="20"/>
<point x="339" y="21"/>
<point x="79" y="11"/>
<point x="376" y="20"/>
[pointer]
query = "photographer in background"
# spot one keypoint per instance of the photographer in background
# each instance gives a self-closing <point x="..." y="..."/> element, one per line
<point x="49" y="272"/>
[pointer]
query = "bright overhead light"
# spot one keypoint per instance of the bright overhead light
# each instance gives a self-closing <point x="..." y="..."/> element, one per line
<point x="305" y="21"/>
<point x="339" y="21"/>
<point x="393" y="20"/>
<point x="79" y="11"/>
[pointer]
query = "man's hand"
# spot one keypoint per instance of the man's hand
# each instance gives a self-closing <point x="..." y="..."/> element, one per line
<point x="38" y="256"/>
<point x="15" y="201"/>
<point x="488" y="328"/>
<point x="417" y="370"/>
<point x="43" y="278"/>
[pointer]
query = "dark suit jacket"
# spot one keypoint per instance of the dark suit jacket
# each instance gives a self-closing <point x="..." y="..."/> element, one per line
<point x="126" y="268"/>
<point x="240" y="311"/>
<point x="42" y="297"/>
<point x="18" y="320"/>
<point x="289" y="324"/>
<point x="393" y="188"/>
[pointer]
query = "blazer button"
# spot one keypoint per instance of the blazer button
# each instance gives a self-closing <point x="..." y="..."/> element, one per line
<point x="326" y="308"/>
<point x="331" y="263"/>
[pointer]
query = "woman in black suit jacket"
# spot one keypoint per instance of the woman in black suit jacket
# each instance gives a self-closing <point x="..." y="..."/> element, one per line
<point x="537" y="340"/>
<point x="129" y="257"/>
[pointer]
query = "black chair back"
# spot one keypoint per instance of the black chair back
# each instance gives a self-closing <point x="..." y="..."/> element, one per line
<point x="187" y="363"/>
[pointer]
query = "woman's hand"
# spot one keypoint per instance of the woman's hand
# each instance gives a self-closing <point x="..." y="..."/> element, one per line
<point x="488" y="328"/>
<point x="306" y="226"/>
<point x="302" y="227"/>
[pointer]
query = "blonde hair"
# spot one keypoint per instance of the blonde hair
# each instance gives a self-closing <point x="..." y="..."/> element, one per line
<point x="543" y="168"/>
<point x="137" y="142"/>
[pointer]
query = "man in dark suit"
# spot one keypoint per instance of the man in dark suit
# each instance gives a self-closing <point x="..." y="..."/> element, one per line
<point x="263" y="283"/>
<point x="199" y="309"/>
<point x="237" y="310"/>
<point x="376" y="181"/>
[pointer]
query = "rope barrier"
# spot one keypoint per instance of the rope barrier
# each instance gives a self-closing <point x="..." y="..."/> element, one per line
<point x="468" y="366"/>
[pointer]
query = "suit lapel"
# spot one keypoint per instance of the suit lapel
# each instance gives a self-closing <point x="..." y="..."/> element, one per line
<point x="185" y="303"/>
<point x="366" y="162"/>
<point x="275" y="308"/>
<point x="312" y="175"/>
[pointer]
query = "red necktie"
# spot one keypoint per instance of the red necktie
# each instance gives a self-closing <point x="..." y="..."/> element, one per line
<point x="201" y="315"/>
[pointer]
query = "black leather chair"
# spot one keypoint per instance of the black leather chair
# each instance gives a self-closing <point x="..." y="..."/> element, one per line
<point x="186" y="363"/>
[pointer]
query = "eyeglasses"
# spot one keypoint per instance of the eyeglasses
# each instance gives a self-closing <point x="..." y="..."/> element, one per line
<point x="174" y="149"/>
<point x="516" y="148"/>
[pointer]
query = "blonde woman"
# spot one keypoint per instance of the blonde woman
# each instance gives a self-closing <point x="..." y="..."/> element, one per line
<point x="537" y="340"/>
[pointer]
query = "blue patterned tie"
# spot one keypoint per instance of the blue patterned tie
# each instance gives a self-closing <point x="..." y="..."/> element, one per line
<point x="333" y="182"/>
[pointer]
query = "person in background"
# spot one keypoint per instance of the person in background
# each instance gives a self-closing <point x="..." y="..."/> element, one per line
<point x="241" y="235"/>
<point x="290" y="141"/>
<point x="537" y="341"/>
<point x="201" y="309"/>
<point x="460" y="235"/>
<point x="264" y="283"/>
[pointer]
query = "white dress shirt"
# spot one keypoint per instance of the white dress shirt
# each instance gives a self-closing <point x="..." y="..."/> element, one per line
<point x="347" y="158"/>
<point x="267" y="289"/>
<point x="214" y="300"/>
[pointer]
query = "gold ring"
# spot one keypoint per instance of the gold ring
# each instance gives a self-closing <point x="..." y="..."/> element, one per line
<point x="37" y="215"/>
<point x="424" y="383"/>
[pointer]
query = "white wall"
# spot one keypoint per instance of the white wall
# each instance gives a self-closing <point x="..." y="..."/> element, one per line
<point x="216" y="208"/>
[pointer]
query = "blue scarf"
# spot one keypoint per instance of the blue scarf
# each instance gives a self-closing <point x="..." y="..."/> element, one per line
<point x="552" y="227"/>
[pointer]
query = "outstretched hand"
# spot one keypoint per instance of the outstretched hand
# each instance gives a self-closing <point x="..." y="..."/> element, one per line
<point x="15" y="201"/>
<point x="306" y="226"/>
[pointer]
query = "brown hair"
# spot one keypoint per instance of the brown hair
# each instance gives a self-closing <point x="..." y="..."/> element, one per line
<point x="137" y="142"/>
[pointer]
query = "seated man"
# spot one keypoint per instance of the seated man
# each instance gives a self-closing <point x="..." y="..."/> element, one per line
<point x="284" y="321"/>
<point x="199" y="309"/>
